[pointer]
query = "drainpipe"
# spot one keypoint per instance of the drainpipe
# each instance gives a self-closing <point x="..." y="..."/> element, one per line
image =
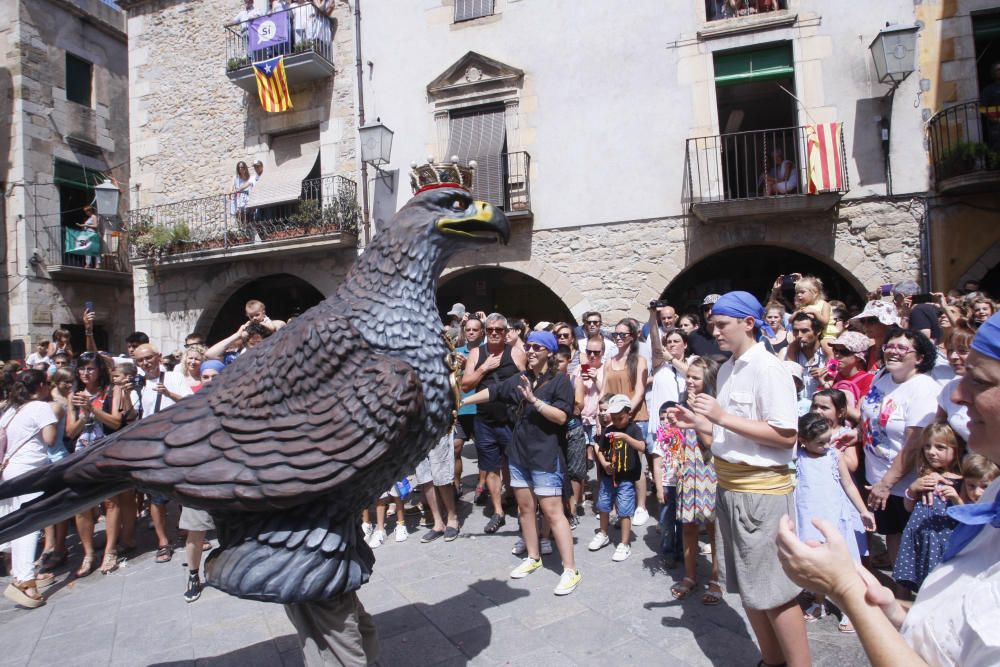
<point x="928" y="244"/>
<point x="365" y="214"/>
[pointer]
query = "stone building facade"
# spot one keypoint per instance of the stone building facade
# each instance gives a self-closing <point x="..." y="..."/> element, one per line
<point x="606" y="137"/>
<point x="64" y="128"/>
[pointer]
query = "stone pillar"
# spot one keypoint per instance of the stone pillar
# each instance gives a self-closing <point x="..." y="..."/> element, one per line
<point x="441" y="123"/>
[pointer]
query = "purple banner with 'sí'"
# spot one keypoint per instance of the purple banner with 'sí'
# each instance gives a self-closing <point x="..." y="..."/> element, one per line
<point x="269" y="31"/>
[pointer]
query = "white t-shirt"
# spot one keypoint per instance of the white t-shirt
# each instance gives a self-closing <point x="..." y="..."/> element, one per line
<point x="668" y="385"/>
<point x="958" y="415"/>
<point x="942" y="372"/>
<point x="956" y="617"/>
<point x="886" y="412"/>
<point x="756" y="386"/>
<point x="35" y="358"/>
<point x="24" y="427"/>
<point x="817" y="360"/>
<point x="175" y="384"/>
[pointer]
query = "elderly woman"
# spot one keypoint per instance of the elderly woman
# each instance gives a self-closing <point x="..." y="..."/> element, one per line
<point x="952" y="621"/>
<point x="542" y="402"/>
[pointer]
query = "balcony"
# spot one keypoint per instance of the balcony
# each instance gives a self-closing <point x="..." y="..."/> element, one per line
<point x="965" y="148"/>
<point x="211" y="229"/>
<point x="732" y="17"/>
<point x="766" y="173"/>
<point x="301" y="34"/>
<point x="113" y="266"/>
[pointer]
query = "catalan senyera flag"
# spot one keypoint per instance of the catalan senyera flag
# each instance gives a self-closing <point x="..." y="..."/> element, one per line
<point x="823" y="142"/>
<point x="272" y="86"/>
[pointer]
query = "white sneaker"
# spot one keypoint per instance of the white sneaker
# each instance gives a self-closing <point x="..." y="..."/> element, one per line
<point x="527" y="566"/>
<point x="641" y="517"/>
<point x="600" y="541"/>
<point x="519" y="548"/>
<point x="568" y="582"/>
<point x="622" y="551"/>
<point x="400" y="533"/>
<point x="545" y="547"/>
<point x="367" y="529"/>
<point x="376" y="539"/>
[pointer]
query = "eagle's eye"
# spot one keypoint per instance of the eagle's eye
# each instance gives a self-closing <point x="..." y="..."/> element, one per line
<point x="458" y="205"/>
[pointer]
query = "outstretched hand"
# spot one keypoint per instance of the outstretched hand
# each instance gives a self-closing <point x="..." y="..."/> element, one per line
<point x="821" y="567"/>
<point x="526" y="390"/>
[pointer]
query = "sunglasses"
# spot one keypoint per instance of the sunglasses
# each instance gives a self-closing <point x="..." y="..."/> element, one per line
<point x="596" y="323"/>
<point x="841" y="352"/>
<point x="494" y="330"/>
<point x="594" y="353"/>
<point x="563" y="335"/>
<point x="619" y="334"/>
<point x="535" y="347"/>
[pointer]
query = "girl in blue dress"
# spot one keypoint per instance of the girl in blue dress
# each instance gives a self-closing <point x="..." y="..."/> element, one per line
<point x="937" y="487"/>
<point x="824" y="490"/>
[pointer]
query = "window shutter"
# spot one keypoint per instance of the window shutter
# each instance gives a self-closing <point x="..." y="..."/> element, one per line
<point x="481" y="136"/>
<point x="466" y="10"/>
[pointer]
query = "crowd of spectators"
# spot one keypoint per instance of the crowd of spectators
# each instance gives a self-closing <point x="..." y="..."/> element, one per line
<point x="708" y="420"/>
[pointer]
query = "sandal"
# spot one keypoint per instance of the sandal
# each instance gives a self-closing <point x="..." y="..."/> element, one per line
<point x="494" y="524"/>
<point x="683" y="588"/>
<point x="110" y="563"/>
<point x="44" y="580"/>
<point x="814" y="612"/>
<point x="845" y="626"/>
<point x="711" y="598"/>
<point x="86" y="566"/>
<point x="164" y="554"/>
<point x="24" y="593"/>
<point x="51" y="560"/>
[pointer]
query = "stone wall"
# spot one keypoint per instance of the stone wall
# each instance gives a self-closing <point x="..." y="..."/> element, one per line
<point x="617" y="268"/>
<point x="191" y="124"/>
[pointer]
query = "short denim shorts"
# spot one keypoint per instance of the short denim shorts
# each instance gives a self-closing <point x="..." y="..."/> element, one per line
<point x="540" y="482"/>
<point x="623" y="496"/>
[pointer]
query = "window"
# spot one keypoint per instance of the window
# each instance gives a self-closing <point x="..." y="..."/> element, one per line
<point x="466" y="10"/>
<point x="480" y="135"/>
<point x="76" y="190"/>
<point x="728" y="9"/>
<point x="79" y="79"/>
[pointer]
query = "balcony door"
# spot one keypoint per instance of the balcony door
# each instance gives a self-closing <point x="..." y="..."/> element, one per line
<point x="480" y="134"/>
<point x="754" y="91"/>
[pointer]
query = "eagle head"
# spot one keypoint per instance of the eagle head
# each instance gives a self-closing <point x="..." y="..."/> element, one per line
<point x="456" y="219"/>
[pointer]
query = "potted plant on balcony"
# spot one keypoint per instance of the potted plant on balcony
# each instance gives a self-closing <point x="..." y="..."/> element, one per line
<point x="158" y="241"/>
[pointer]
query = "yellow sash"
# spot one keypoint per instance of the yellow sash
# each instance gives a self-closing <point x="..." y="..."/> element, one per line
<point x="745" y="478"/>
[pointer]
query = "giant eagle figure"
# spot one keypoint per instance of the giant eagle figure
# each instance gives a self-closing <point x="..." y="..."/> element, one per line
<point x="299" y="434"/>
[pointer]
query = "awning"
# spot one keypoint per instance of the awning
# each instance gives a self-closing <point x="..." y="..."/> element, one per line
<point x="754" y="66"/>
<point x="291" y="159"/>
<point x="67" y="173"/>
<point x="986" y="26"/>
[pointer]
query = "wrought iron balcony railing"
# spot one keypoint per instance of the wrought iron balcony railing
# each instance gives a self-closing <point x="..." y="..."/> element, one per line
<point x="326" y="205"/>
<point x="301" y="29"/>
<point x="965" y="145"/>
<point x="114" y="255"/>
<point x="717" y="10"/>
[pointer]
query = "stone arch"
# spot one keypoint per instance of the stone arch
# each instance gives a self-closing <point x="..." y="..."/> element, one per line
<point x="986" y="264"/>
<point x="569" y="297"/>
<point x="753" y="267"/>
<point x="229" y="285"/>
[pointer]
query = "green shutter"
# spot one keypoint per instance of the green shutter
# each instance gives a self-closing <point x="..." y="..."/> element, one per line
<point x="753" y="66"/>
<point x="986" y="26"/>
<point x="67" y="173"/>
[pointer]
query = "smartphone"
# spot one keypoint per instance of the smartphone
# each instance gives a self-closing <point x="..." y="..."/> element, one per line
<point x="922" y="298"/>
<point x="886" y="290"/>
<point x="89" y="305"/>
<point x="584" y="369"/>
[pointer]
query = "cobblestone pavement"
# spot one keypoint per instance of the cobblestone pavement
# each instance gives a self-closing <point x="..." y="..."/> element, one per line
<point x="434" y="604"/>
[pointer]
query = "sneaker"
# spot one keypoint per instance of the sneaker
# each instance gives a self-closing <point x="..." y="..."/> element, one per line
<point x="527" y="566"/>
<point x="193" y="591"/>
<point x="568" y="582"/>
<point x="519" y="549"/>
<point x="641" y="517"/>
<point x="574" y="522"/>
<point x="376" y="539"/>
<point x="401" y="533"/>
<point x="622" y="551"/>
<point x="600" y="541"/>
<point x="545" y="547"/>
<point x="367" y="529"/>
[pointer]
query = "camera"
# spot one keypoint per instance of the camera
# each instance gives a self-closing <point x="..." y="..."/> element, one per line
<point x="659" y="303"/>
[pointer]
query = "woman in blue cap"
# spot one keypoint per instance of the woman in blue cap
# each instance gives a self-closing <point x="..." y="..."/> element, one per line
<point x="956" y="616"/>
<point x="541" y="401"/>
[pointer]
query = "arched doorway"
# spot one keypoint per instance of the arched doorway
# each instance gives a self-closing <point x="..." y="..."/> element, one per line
<point x="499" y="290"/>
<point x="990" y="283"/>
<point x="283" y="294"/>
<point x="753" y="269"/>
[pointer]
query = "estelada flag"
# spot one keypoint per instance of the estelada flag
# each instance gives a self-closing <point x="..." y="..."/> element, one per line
<point x="823" y="142"/>
<point x="272" y="86"/>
